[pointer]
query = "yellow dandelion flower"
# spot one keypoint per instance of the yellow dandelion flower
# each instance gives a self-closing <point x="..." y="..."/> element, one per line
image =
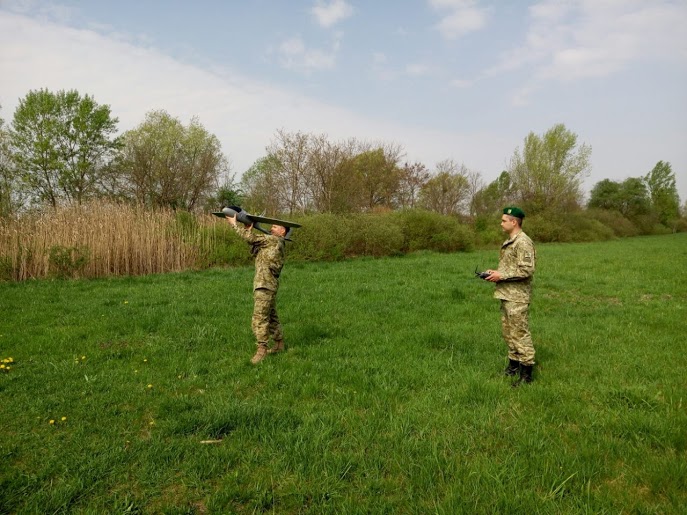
<point x="150" y="386"/>
<point x="52" y="422"/>
<point x="126" y="302"/>
<point x="145" y="360"/>
<point x="83" y="357"/>
<point x="11" y="360"/>
<point x="63" y="419"/>
<point x="152" y="422"/>
<point x="7" y="368"/>
<point x="2" y="366"/>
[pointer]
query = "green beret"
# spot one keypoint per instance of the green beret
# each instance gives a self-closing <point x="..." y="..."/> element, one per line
<point x="514" y="211"/>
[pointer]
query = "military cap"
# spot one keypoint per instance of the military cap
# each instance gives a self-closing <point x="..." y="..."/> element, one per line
<point x="514" y="211"/>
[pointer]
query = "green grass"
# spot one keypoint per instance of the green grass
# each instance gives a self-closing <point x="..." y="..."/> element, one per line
<point x="389" y="399"/>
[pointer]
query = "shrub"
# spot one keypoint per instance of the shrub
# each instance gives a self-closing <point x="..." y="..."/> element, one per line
<point x="220" y="245"/>
<point x="375" y="235"/>
<point x="322" y="237"/>
<point x="424" y="230"/>
<point x="566" y="227"/>
<point x="6" y="268"/>
<point x="68" y="262"/>
<point x="679" y="225"/>
<point x="614" y="220"/>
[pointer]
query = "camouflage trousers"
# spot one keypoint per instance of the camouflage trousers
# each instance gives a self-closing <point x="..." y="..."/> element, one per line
<point x="265" y="322"/>
<point x="516" y="331"/>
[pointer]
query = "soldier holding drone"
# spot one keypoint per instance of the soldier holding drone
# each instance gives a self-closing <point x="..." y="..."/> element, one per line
<point x="268" y="250"/>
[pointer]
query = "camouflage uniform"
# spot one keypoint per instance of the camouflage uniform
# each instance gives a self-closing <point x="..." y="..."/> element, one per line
<point x="268" y="251"/>
<point x="516" y="266"/>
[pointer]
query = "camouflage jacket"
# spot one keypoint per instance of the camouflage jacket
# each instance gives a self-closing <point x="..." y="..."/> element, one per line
<point x="268" y="251"/>
<point x="516" y="266"/>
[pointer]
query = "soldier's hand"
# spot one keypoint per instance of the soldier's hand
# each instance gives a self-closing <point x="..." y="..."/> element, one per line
<point x="232" y="220"/>
<point x="494" y="276"/>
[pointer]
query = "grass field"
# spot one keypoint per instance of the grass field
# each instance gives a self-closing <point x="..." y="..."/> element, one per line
<point x="389" y="399"/>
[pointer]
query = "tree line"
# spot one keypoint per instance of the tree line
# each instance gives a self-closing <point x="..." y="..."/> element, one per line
<point x="62" y="148"/>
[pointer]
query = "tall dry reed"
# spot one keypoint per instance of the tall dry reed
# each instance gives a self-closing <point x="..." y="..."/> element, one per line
<point x="114" y="240"/>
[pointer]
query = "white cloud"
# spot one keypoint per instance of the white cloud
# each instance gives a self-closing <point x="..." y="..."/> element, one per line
<point x="293" y="54"/>
<point x="462" y="83"/>
<point x="462" y="17"/>
<point x="379" y="58"/>
<point x="576" y="39"/>
<point x="328" y="15"/>
<point x="418" y="69"/>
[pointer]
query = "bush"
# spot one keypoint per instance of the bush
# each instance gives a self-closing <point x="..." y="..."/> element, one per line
<point x="375" y="235"/>
<point x="322" y="237"/>
<point x="220" y="245"/>
<point x="679" y="225"/>
<point x="6" y="268"/>
<point x="646" y="224"/>
<point x="424" y="230"/>
<point x="566" y="227"/>
<point x="614" y="220"/>
<point x="68" y="262"/>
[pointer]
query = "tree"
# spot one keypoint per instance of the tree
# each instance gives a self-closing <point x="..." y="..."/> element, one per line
<point x="412" y="178"/>
<point x="291" y="151"/>
<point x="10" y="193"/>
<point x="605" y="194"/>
<point x="331" y="187"/>
<point x="259" y="186"/>
<point x="634" y="198"/>
<point x="447" y="191"/>
<point x="475" y="185"/>
<point x="62" y="144"/>
<point x="490" y="200"/>
<point x="630" y="198"/>
<point x="548" y="173"/>
<point x="228" y="194"/>
<point x="166" y="164"/>
<point x="377" y="172"/>
<point x="665" y="201"/>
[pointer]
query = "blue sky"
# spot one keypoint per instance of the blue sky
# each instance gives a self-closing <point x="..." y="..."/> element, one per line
<point x="445" y="79"/>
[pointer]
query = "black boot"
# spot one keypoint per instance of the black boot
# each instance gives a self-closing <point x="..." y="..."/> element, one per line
<point x="512" y="368"/>
<point x="525" y="375"/>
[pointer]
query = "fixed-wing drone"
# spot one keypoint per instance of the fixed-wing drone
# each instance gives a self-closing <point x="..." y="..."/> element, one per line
<point x="247" y="219"/>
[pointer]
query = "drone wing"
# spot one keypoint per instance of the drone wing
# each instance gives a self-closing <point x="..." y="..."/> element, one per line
<point x="275" y="221"/>
<point x="248" y="219"/>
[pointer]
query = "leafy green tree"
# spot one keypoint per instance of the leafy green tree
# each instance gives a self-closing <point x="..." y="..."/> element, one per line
<point x="228" y="194"/>
<point x="166" y="164"/>
<point x="665" y="201"/>
<point x="491" y="199"/>
<point x="630" y="198"/>
<point x="10" y="194"/>
<point x="378" y="176"/>
<point x="548" y="173"/>
<point x="606" y="194"/>
<point x="62" y="144"/>
<point x="259" y="186"/>
<point x="634" y="199"/>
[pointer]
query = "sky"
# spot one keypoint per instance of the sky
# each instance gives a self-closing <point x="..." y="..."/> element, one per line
<point x="466" y="80"/>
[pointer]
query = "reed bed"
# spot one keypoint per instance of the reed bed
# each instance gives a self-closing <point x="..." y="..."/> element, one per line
<point x="100" y="240"/>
